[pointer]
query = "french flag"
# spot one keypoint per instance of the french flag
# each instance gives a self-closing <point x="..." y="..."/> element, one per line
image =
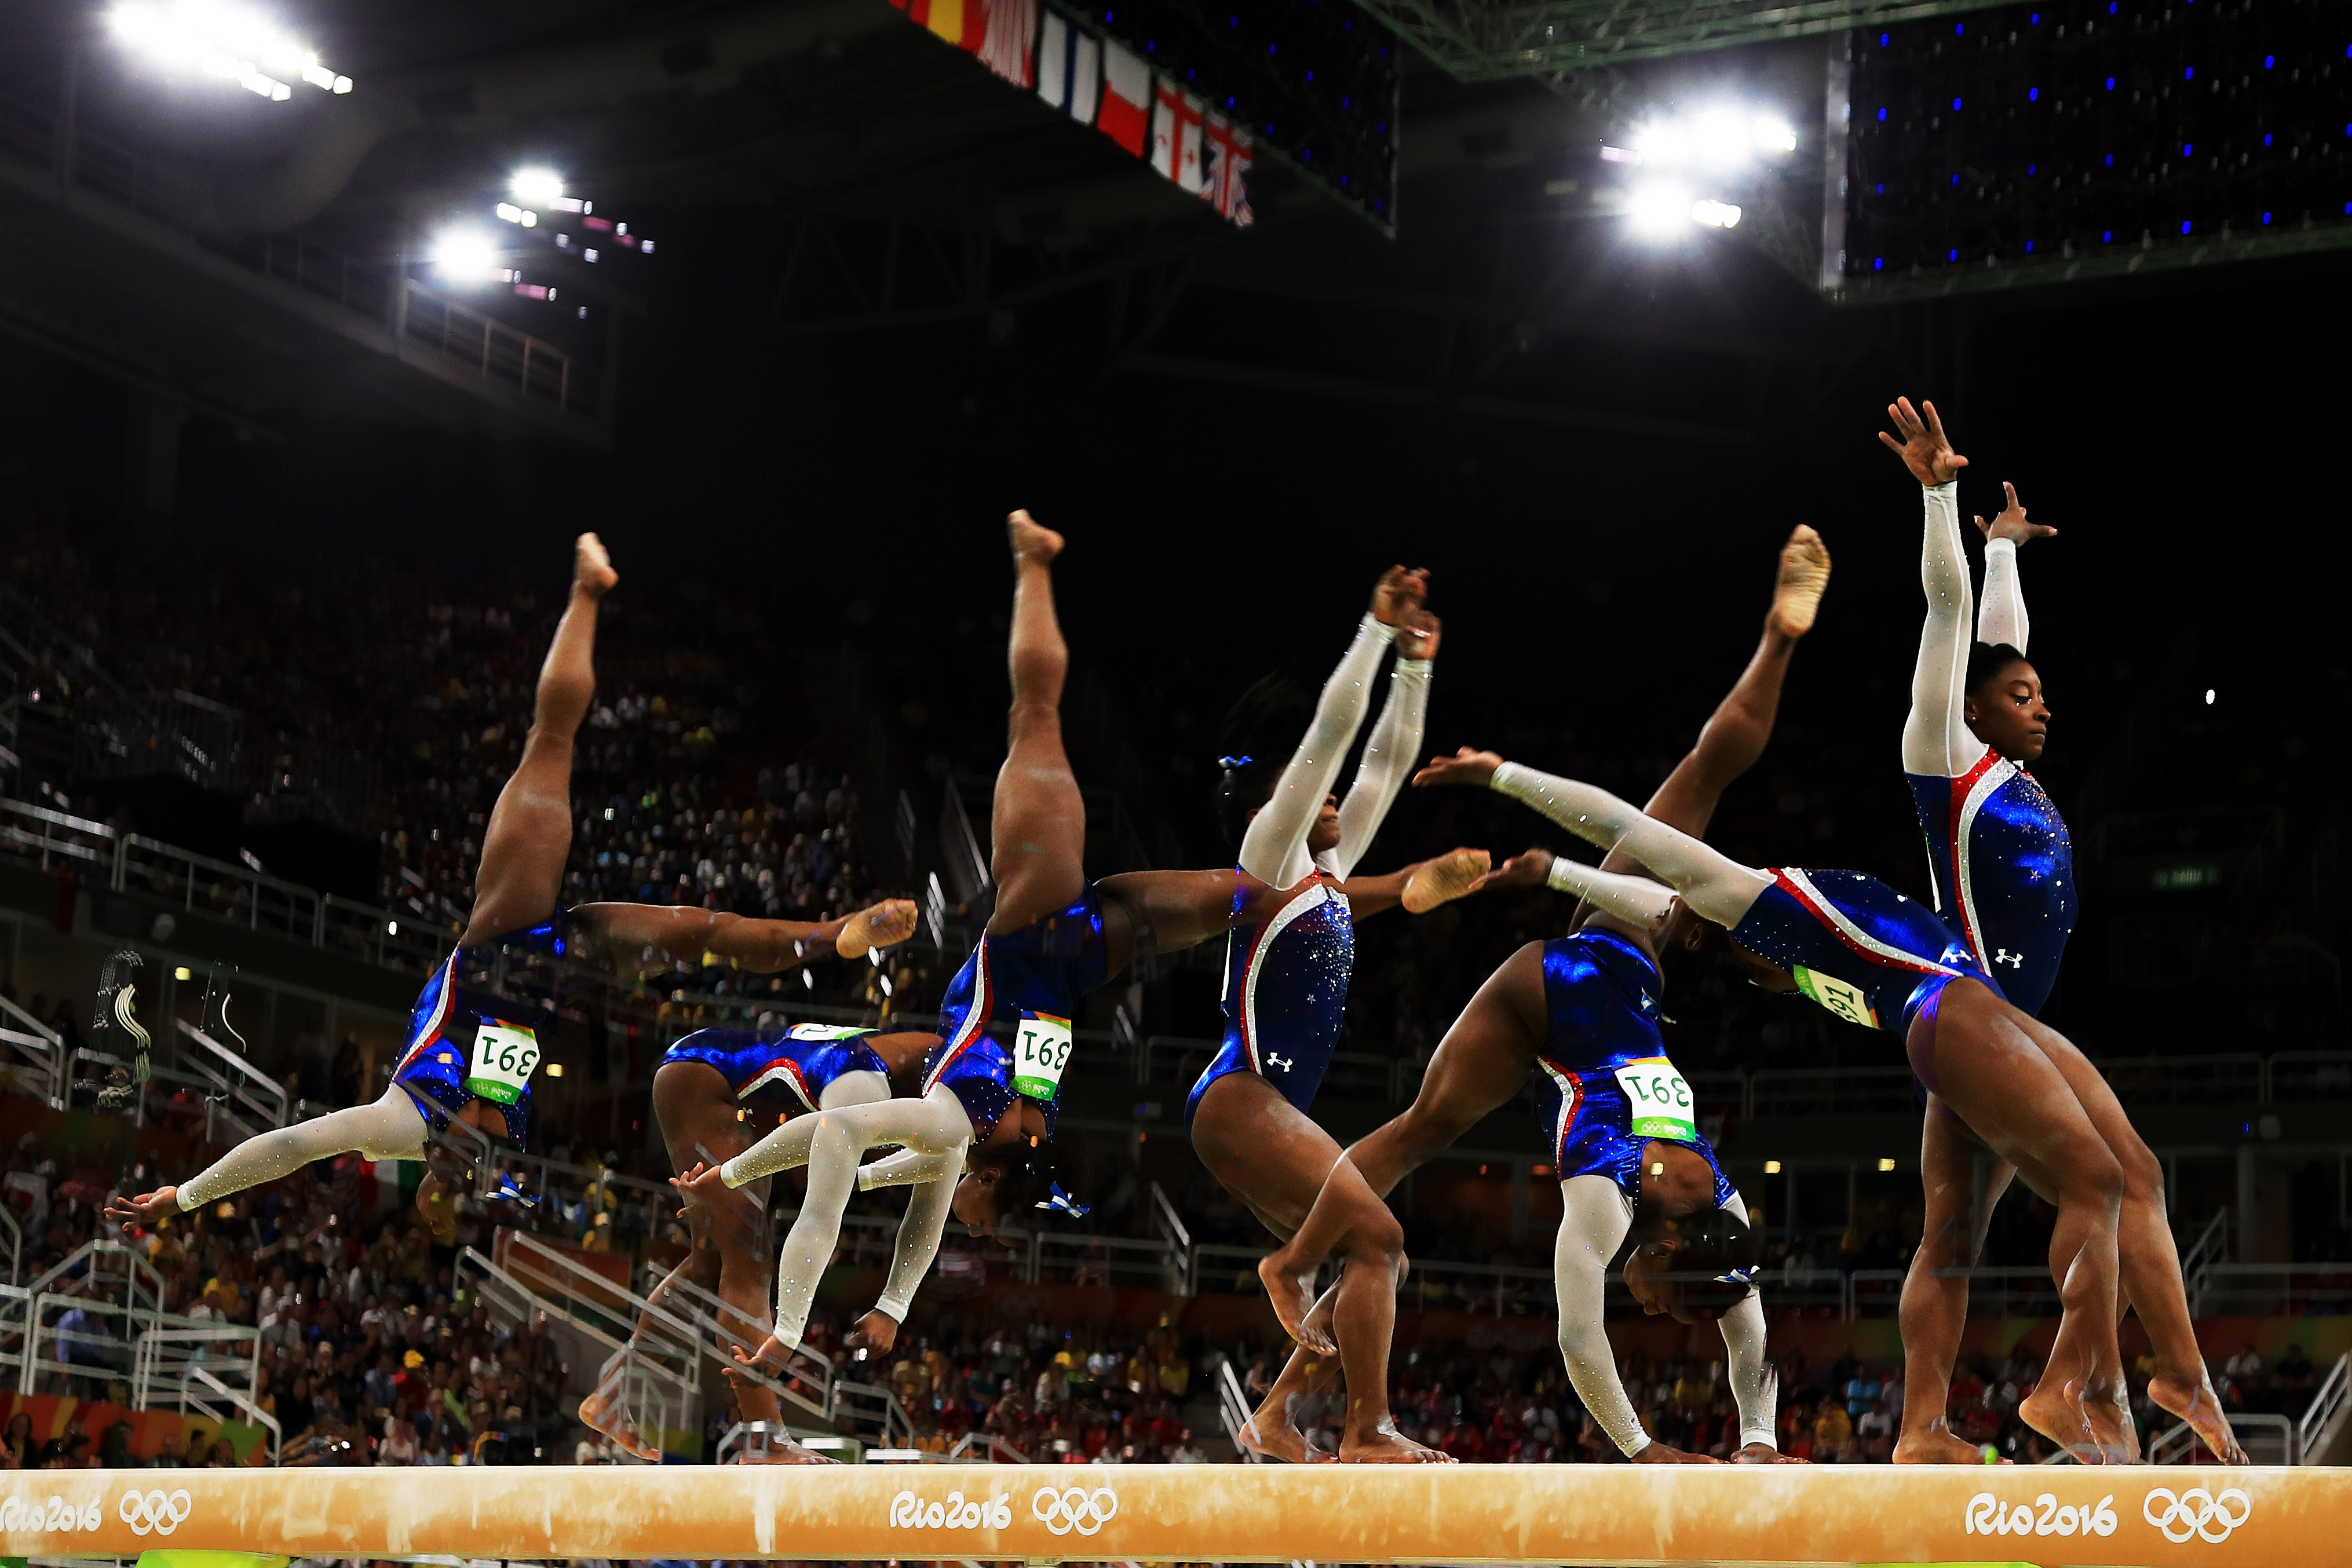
<point x="1126" y="113"/>
<point x="1069" y="68"/>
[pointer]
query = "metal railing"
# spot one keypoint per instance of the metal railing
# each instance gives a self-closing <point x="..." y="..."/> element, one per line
<point x="2267" y="1440"/>
<point x="27" y="1037"/>
<point x="497" y="353"/>
<point x="179" y="1367"/>
<point x="12" y="1236"/>
<point x="2199" y="1258"/>
<point x="235" y="1077"/>
<point x="2315" y="1433"/>
<point x="1233" y="1410"/>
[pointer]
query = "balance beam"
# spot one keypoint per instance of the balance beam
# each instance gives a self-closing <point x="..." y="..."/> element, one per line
<point x="2192" y="1518"/>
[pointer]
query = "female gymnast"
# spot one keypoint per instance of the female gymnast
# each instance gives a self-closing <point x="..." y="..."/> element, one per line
<point x="1872" y="956"/>
<point x="471" y="1055"/>
<point x="1583" y="1011"/>
<point x="2003" y="869"/>
<point x="981" y="1123"/>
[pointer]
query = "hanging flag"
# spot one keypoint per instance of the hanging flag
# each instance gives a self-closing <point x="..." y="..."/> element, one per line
<point x="1004" y="41"/>
<point x="1126" y="113"/>
<point x="1225" y="149"/>
<point x="1069" y="68"/>
<point x="1176" y="117"/>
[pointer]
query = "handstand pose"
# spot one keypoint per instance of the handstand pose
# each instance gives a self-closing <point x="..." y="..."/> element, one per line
<point x="981" y="1123"/>
<point x="1583" y="1012"/>
<point x="1875" y="957"/>
<point x="470" y="1055"/>
<point x="2004" y="880"/>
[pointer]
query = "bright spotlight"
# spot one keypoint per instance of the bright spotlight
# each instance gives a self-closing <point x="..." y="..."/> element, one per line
<point x="1714" y="214"/>
<point x="535" y="187"/>
<point x="227" y="42"/>
<point x="1715" y="138"/>
<point x="466" y="255"/>
<point x="1659" y="209"/>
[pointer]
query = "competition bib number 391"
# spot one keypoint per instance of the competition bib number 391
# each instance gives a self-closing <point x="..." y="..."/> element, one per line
<point x="1849" y="1001"/>
<point x="1660" y="1100"/>
<point x="1040" y="1053"/>
<point x="503" y="1058"/>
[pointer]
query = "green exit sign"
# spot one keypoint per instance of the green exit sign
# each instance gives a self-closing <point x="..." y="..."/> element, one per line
<point x="2186" y="878"/>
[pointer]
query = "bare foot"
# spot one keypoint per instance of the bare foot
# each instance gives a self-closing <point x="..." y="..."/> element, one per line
<point x="1804" y="577"/>
<point x="1938" y="1446"/>
<point x="1384" y="1445"/>
<point x="2113" y="1429"/>
<point x="885" y="923"/>
<point x="602" y="1413"/>
<point x="1293" y="1296"/>
<point x="1319" y="1322"/>
<point x="1660" y="1454"/>
<point x="2056" y="1409"/>
<point x="1444" y="879"/>
<point x="592" y="568"/>
<point x="877" y="1330"/>
<point x="2195" y="1404"/>
<point x="782" y="1450"/>
<point x="1032" y="541"/>
<point x="1284" y="1443"/>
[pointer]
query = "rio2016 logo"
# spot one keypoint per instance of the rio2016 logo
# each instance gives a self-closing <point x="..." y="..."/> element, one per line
<point x="1988" y="1515"/>
<point x="53" y="1515"/>
<point x="909" y="1511"/>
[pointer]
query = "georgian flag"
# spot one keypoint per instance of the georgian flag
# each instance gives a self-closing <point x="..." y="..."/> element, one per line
<point x="1176" y="121"/>
<point x="1225" y="159"/>
<point x="1069" y="68"/>
<point x="1126" y="113"/>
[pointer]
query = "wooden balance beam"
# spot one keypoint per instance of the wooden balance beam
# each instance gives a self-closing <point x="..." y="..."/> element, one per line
<point x="2192" y="1518"/>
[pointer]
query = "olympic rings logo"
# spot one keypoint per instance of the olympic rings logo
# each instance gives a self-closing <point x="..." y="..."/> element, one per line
<point x="1076" y="1509"/>
<point x="2197" y="1512"/>
<point x="154" y="1511"/>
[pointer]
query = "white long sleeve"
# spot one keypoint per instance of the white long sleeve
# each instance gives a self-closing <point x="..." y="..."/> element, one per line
<point x="390" y="1129"/>
<point x="1936" y="740"/>
<point x="1592" y="1226"/>
<point x="1755" y="1382"/>
<point x="2000" y="618"/>
<point x="1274" y="849"/>
<point x="1389" y="758"/>
<point x="1716" y="887"/>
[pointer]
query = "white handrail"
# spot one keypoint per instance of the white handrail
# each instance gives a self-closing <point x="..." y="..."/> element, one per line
<point x="2315" y="1433"/>
<point x="234" y="1067"/>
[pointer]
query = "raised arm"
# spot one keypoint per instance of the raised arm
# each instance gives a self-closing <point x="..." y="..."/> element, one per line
<point x="1936" y="740"/>
<point x="762" y="947"/>
<point x="2000" y="619"/>
<point x="1395" y="744"/>
<point x="1274" y="849"/>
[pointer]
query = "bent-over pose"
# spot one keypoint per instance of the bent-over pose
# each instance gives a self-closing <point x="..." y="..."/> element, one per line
<point x="2003" y="869"/>
<point x="1877" y="958"/>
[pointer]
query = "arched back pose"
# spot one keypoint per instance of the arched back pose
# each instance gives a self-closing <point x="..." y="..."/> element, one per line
<point x="1872" y="956"/>
<point x="1289" y="958"/>
<point x="1583" y="1012"/>
<point x="2003" y="869"/>
<point x="470" y="1055"/>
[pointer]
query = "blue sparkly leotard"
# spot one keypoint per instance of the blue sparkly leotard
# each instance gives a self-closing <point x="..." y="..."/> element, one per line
<point x="1602" y="1053"/>
<point x="2004" y="872"/>
<point x="797" y="1067"/>
<point x="455" y="1007"/>
<point x="1038" y="972"/>
<point x="1285" y="991"/>
<point x="1852" y="943"/>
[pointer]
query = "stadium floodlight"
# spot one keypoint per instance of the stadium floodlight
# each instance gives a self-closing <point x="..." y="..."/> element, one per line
<point x="1715" y="215"/>
<point x="467" y="256"/>
<point x="227" y="42"/>
<point x="535" y="187"/>
<point x="1661" y="211"/>
<point x="511" y="214"/>
<point x="1722" y="137"/>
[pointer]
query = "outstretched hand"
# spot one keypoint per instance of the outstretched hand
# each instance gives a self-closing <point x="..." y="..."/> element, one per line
<point x="145" y="1209"/>
<point x="1476" y="769"/>
<point x="1925" y="449"/>
<point x="701" y="1186"/>
<point x="883" y="924"/>
<point x="2011" y="523"/>
<point x="1397" y="591"/>
<point x="1527" y="870"/>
